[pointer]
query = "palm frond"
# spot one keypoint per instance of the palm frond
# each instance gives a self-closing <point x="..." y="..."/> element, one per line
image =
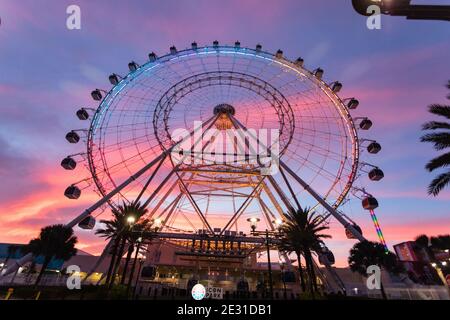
<point x="433" y="125"/>
<point x="439" y="162"/>
<point x="441" y="140"/>
<point x="440" y="110"/>
<point x="302" y="231"/>
<point x="439" y="183"/>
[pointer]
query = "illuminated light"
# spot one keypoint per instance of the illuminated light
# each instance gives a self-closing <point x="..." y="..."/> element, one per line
<point x="278" y="222"/>
<point x="131" y="220"/>
<point x="434" y="265"/>
<point x="253" y="220"/>
<point x="378" y="230"/>
<point x="444" y="263"/>
<point x="158" y="222"/>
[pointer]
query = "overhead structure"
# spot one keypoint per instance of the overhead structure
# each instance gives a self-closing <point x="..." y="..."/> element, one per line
<point x="403" y="8"/>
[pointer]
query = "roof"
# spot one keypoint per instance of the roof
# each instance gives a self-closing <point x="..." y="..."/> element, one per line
<point x="54" y="264"/>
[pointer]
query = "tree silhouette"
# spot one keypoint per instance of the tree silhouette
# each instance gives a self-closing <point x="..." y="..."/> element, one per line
<point x="56" y="241"/>
<point x="367" y="253"/>
<point x="301" y="233"/>
<point x="441" y="141"/>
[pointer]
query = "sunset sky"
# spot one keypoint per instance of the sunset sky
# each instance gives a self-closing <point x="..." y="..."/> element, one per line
<point x="47" y="72"/>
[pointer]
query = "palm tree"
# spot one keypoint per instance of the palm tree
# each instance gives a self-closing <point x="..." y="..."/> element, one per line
<point x="134" y="241"/>
<point x="441" y="141"/>
<point x="118" y="229"/>
<point x="137" y="239"/>
<point x="56" y="241"/>
<point x="301" y="233"/>
<point x="113" y="231"/>
<point x="367" y="253"/>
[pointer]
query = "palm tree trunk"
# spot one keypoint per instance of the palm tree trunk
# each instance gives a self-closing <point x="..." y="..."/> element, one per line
<point x="313" y="272"/>
<point x="130" y="279"/>
<point x="113" y="259"/>
<point x="44" y="267"/>
<point x="117" y="263"/>
<point x="127" y="261"/>
<point x="300" y="271"/>
<point x="309" y="268"/>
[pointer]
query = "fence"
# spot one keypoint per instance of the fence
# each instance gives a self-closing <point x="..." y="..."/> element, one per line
<point x="21" y="279"/>
<point x="417" y="292"/>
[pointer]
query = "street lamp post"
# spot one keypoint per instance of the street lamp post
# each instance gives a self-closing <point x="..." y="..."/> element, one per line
<point x="267" y="234"/>
<point x="130" y="223"/>
<point x="130" y="278"/>
<point x="141" y="262"/>
<point x="269" y="265"/>
<point x="284" y="281"/>
<point x="156" y="224"/>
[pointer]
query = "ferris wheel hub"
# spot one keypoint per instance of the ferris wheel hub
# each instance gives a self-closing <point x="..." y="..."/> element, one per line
<point x="224" y="111"/>
<point x="224" y="108"/>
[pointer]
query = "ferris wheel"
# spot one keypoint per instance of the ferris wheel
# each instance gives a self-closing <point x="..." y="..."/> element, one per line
<point x="133" y="142"/>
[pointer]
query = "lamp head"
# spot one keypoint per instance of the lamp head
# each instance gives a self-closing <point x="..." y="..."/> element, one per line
<point x="386" y="6"/>
<point x="253" y="222"/>
<point x="131" y="220"/>
<point x="157" y="222"/>
<point x="278" y="223"/>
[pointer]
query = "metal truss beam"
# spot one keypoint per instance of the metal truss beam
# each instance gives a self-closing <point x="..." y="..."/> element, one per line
<point x="313" y="193"/>
<point x="242" y="208"/>
<point x="230" y="172"/>
<point x="166" y="195"/>
<point x="280" y="193"/>
<point x="319" y="199"/>
<point x="210" y="237"/>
